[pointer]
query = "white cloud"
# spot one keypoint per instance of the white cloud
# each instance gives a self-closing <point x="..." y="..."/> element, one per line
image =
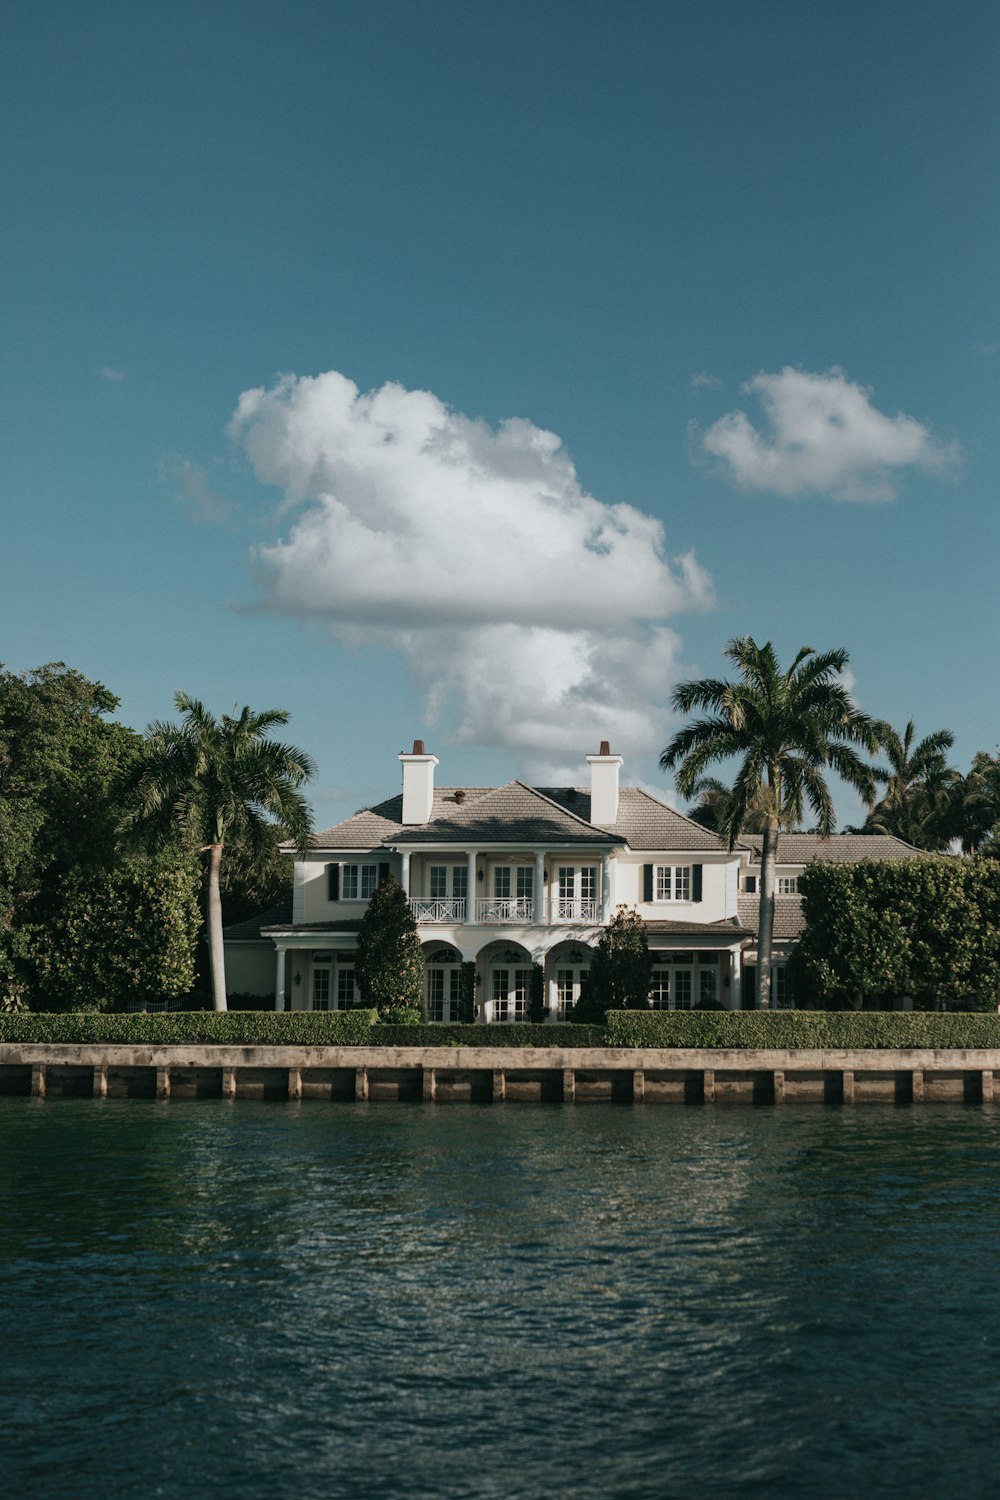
<point x="107" y="373"/>
<point x="532" y="614"/>
<point x="704" y="378"/>
<point x="821" y="434"/>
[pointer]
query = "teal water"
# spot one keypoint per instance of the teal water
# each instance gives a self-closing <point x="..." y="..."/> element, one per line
<point x="517" y="1301"/>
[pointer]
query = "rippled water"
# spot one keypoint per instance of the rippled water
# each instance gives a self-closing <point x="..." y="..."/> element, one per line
<point x="353" y="1300"/>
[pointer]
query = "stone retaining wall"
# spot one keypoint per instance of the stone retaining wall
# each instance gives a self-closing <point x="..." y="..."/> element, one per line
<point x="494" y="1074"/>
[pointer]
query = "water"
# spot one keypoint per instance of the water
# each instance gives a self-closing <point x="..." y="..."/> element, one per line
<point x="514" y="1301"/>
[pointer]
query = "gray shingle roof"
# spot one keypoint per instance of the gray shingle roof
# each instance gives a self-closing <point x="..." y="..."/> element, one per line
<point x="514" y="813"/>
<point x="789" y="921"/>
<point x="728" y="930"/>
<point x="249" y="931"/>
<point x="841" y="849"/>
<point x="644" y="822"/>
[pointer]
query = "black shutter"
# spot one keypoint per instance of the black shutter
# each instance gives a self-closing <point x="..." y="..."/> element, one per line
<point x="647" y="882"/>
<point x="333" y="882"/>
<point x="696" y="882"/>
<point x="383" y="873"/>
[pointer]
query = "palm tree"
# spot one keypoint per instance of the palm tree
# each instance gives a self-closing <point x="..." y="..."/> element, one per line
<point x="919" y="788"/>
<point x="978" y="805"/>
<point x="712" y="806"/>
<point x="787" y="728"/>
<point x="218" y="782"/>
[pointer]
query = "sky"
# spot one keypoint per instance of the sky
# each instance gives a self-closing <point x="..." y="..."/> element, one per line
<point x="475" y="371"/>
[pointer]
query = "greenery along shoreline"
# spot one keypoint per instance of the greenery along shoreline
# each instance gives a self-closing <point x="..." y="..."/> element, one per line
<point x="806" y="1030"/>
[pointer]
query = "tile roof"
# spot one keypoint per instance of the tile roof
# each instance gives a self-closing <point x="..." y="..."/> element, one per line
<point x="644" y="822"/>
<point x="514" y="813"/>
<point x="728" y="929"/>
<point x="249" y="931"/>
<point x="841" y="849"/>
<point x="789" y="921"/>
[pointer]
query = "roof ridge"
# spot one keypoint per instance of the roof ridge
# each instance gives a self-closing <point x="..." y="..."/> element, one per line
<point x="568" y="811"/>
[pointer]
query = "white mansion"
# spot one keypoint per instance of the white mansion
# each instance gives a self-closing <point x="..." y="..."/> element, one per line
<point x="513" y="876"/>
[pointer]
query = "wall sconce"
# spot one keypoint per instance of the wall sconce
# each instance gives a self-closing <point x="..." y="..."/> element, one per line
<point x="297" y="980"/>
<point x="480" y="876"/>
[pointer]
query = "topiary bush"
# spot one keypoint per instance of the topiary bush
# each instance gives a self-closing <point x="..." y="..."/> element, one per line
<point x="803" y="1029"/>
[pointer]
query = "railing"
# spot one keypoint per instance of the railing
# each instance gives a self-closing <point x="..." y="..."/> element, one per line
<point x="438" y="908"/>
<point x="576" y="911"/>
<point x="506" y="909"/>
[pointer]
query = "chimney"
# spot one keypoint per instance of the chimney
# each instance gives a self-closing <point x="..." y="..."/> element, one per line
<point x="418" y="783"/>
<point x="604" y="769"/>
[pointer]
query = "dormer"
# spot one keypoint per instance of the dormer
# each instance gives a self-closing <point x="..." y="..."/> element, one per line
<point x="418" y="784"/>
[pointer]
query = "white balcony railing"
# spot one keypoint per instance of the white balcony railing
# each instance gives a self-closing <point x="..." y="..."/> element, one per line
<point x="438" y="908"/>
<point x="576" y="911"/>
<point x="506" y="909"/>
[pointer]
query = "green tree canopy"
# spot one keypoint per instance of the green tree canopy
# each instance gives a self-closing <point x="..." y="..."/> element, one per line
<point x="786" y="729"/>
<point x="917" y="804"/>
<point x="620" y="969"/>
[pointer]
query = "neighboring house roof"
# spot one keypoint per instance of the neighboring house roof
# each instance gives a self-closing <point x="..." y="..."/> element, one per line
<point x="250" y="930"/>
<point x="840" y="849"/>
<point x="517" y="813"/>
<point x="789" y="919"/>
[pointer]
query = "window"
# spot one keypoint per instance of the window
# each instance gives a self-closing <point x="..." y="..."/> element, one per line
<point x="501" y="882"/>
<point x="359" y="882"/>
<point x="320" y="986"/>
<point x="750" y="885"/>
<point x="568" y="986"/>
<point x="577" y="893"/>
<point x="525" y="882"/>
<point x="673" y="882"/>
<point x="788" y="885"/>
<point x="439" y="882"/>
<point x="780" y="998"/>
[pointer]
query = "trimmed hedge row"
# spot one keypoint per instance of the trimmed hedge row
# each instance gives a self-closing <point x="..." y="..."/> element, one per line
<point x="802" y="1028"/>
<point x="337" y="1028"/>
<point x="353" y="1028"/>
<point x="513" y="1035"/>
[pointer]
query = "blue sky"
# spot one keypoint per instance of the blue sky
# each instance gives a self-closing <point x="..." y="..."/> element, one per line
<point x="740" y="259"/>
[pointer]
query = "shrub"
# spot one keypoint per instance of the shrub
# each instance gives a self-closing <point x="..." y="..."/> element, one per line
<point x="487" y="1036"/>
<point x="805" y="1029"/>
<point x="399" y="1015"/>
<point x="338" y="1028"/>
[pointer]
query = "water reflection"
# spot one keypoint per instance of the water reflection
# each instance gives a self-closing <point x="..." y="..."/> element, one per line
<point x="453" y="1301"/>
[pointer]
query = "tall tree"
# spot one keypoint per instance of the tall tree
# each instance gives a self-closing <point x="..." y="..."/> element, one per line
<point x="619" y="971"/>
<point x="222" y="782"/>
<point x="918" y="800"/>
<point x="786" y="729"/>
<point x="390" y="964"/>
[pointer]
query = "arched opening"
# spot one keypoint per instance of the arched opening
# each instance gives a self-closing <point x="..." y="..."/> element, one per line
<point x="443" y="983"/>
<point x="507" y="967"/>
<point x="566" y="969"/>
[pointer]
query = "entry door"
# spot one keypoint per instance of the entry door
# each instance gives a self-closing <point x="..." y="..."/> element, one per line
<point x="510" y="994"/>
<point x="322" y="979"/>
<point x="443" y="993"/>
<point x="569" y="982"/>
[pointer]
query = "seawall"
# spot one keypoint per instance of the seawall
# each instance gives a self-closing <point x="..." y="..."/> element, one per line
<point x="496" y="1074"/>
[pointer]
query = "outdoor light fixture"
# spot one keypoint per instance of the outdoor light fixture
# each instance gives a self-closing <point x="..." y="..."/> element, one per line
<point x="298" y="979"/>
<point x="480" y="876"/>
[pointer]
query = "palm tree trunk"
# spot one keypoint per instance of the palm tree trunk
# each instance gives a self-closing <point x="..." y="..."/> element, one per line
<point x="216" y="949"/>
<point x="765" y="922"/>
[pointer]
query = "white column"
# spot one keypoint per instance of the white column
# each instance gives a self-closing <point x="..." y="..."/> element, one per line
<point x="404" y="872"/>
<point x="539" y="889"/>
<point x="735" y="979"/>
<point x="279" y="981"/>
<point x="470" y="881"/>
<point x="605" y="888"/>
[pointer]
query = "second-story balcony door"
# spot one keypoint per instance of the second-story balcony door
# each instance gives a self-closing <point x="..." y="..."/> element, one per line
<point x="576" y="894"/>
<point x="447" y="891"/>
<point x="512" y="895"/>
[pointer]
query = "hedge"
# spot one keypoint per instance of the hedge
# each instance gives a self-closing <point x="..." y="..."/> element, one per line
<point x="337" y="1028"/>
<point x="497" y="1035"/>
<point x="802" y="1028"/>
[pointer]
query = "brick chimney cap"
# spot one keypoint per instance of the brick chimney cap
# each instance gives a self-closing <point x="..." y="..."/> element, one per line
<point x="418" y="747"/>
<point x="605" y="748"/>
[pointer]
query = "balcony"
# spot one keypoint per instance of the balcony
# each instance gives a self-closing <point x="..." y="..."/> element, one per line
<point x="438" y="908"/>
<point x="567" y="910"/>
<point x="497" y="910"/>
<point x="505" y="909"/>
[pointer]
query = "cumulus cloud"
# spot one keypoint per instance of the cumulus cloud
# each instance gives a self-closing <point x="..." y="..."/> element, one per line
<point x="704" y="378"/>
<point x="533" y="614"/>
<point x="821" y="434"/>
<point x="107" y="373"/>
